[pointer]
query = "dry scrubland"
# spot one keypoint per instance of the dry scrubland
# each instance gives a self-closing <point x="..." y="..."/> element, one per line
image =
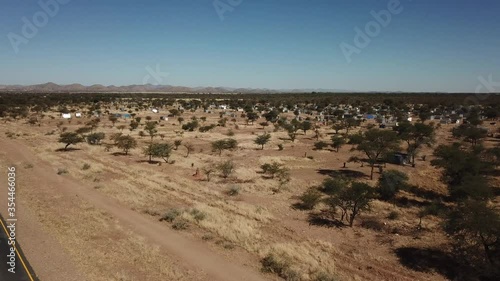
<point x="255" y="222"/>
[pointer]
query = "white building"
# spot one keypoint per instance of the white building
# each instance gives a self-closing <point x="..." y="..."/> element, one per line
<point x="66" y="115"/>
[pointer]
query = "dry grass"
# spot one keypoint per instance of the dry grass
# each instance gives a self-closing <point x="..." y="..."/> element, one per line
<point x="309" y="258"/>
<point x="256" y="221"/>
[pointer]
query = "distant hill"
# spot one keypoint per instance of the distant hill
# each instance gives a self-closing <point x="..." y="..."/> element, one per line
<point x="147" y="88"/>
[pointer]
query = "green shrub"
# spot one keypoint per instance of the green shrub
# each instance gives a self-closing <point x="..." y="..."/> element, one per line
<point x="280" y="147"/>
<point x="332" y="186"/>
<point x="180" y="223"/>
<point x="393" y="215"/>
<point x="372" y="224"/>
<point x="198" y="215"/>
<point x="226" y="168"/>
<point x="310" y="199"/>
<point x="390" y="182"/>
<point x="171" y="215"/>
<point x="85" y="166"/>
<point x="320" y="145"/>
<point x="10" y="135"/>
<point x="62" y="171"/>
<point x="207" y="237"/>
<point x="95" y="138"/>
<point x="205" y="129"/>
<point x="233" y="190"/>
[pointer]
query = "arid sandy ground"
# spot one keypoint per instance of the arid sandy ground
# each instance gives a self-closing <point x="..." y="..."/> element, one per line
<point x="102" y="223"/>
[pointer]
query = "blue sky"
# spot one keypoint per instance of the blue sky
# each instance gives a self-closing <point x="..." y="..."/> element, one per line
<point x="429" y="45"/>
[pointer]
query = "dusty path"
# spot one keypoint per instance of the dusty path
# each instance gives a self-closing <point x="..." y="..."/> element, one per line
<point x="190" y="252"/>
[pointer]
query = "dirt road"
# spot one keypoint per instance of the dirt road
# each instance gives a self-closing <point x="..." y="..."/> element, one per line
<point x="190" y="252"/>
<point x="17" y="269"/>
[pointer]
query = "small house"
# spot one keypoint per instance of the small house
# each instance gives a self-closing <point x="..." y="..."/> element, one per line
<point x="78" y="115"/>
<point x="66" y="115"/>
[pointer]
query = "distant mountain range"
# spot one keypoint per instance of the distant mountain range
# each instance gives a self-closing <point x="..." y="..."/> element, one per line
<point x="147" y="88"/>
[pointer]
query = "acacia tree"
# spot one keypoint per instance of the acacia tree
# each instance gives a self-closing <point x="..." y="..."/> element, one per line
<point x="416" y="136"/>
<point x="375" y="143"/>
<point x="133" y="125"/>
<point x="306" y="126"/>
<point x="292" y="129"/>
<point x="150" y="127"/>
<point x="458" y="162"/>
<point x="162" y="150"/>
<point x="95" y="138"/>
<point x="475" y="225"/>
<point x="272" y="169"/>
<point x="470" y="133"/>
<point x="70" y="138"/>
<point x="338" y="126"/>
<point x="352" y="200"/>
<point x="112" y="119"/>
<point x="349" y="123"/>
<point x="226" y="168"/>
<point x="338" y="141"/>
<point x="126" y="143"/>
<point x="262" y="140"/>
<point x="390" y="182"/>
<point x="225" y="144"/>
<point x="271" y="116"/>
<point x="121" y="127"/>
<point x="251" y="117"/>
